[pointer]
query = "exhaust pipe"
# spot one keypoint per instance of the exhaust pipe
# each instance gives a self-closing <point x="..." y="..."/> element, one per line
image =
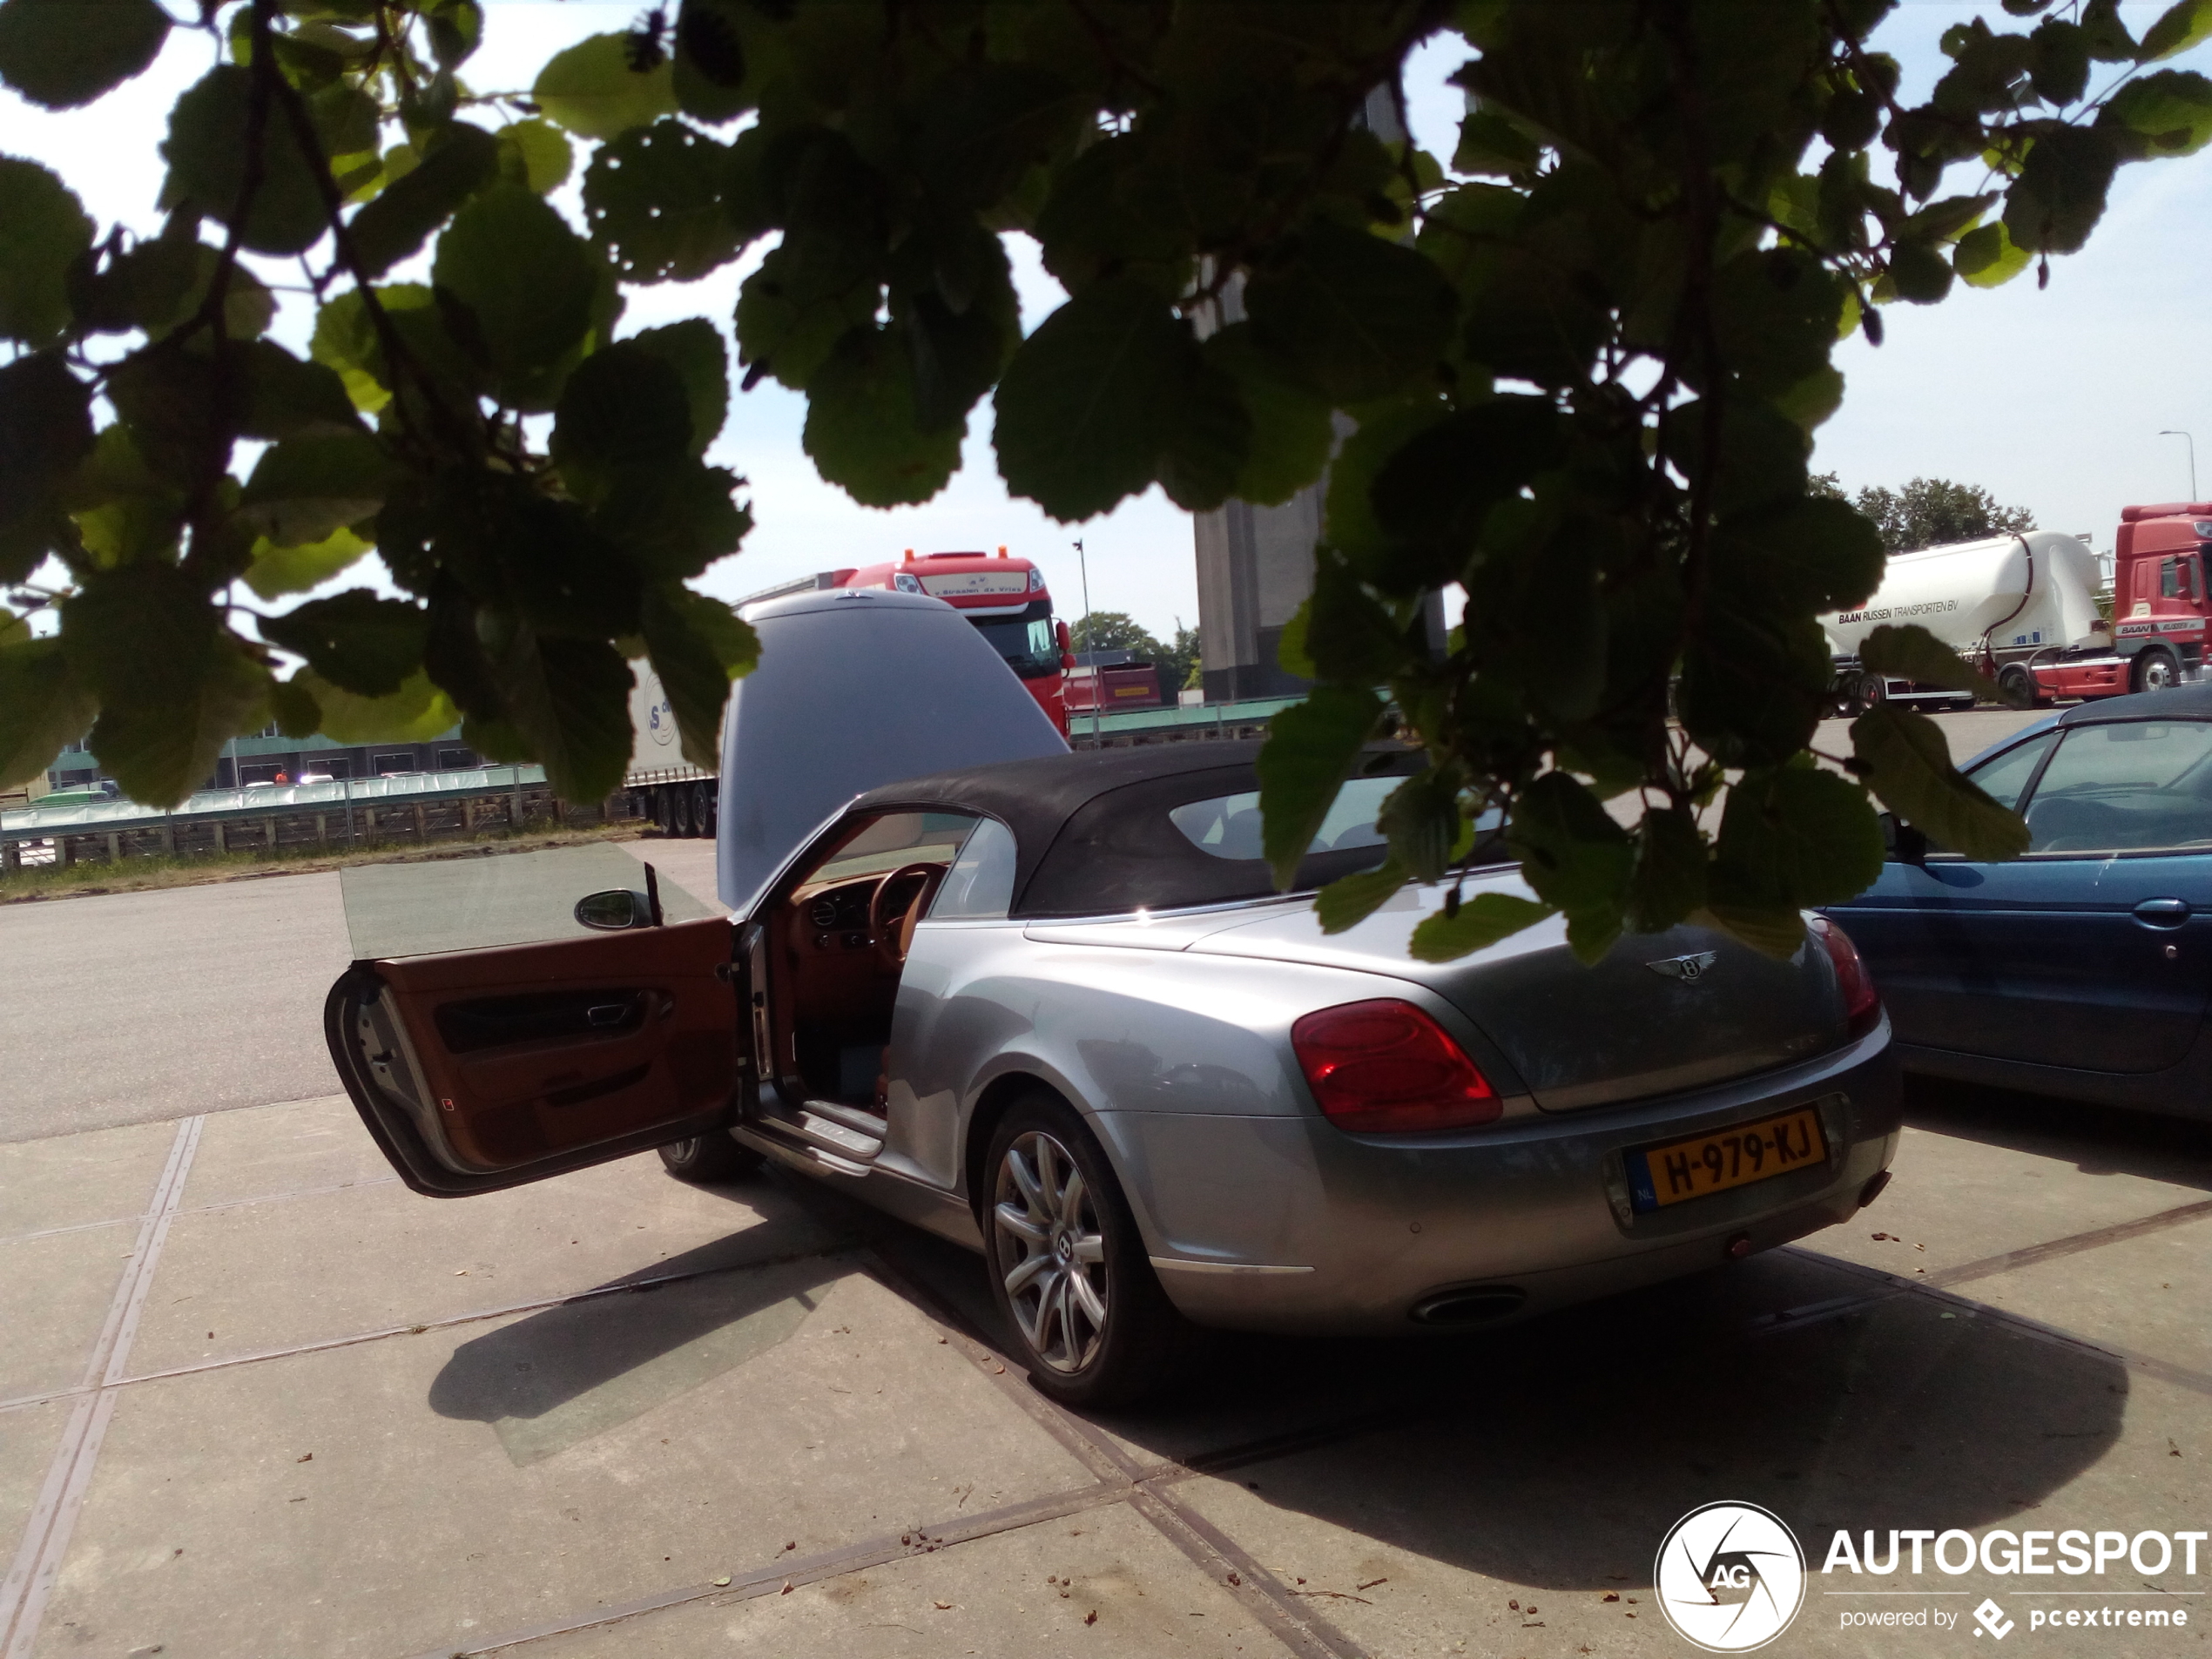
<point x="1462" y="1310"/>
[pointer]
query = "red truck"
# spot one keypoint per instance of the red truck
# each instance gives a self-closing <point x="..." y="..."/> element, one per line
<point x="1007" y="600"/>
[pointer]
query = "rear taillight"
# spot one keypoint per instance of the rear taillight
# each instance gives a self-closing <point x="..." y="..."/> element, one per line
<point x="1862" y="1003"/>
<point x="1385" y="1067"/>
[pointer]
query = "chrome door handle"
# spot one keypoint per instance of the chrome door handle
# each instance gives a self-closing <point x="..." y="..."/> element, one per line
<point x="2162" y="913"/>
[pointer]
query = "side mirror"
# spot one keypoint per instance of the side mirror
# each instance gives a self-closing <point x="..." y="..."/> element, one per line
<point x="614" y="911"/>
<point x="1901" y="842"/>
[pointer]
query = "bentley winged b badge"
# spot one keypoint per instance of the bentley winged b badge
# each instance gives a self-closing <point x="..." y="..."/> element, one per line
<point x="1688" y="969"/>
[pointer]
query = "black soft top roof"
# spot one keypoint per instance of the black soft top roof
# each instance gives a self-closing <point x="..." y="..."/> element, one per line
<point x="1091" y="829"/>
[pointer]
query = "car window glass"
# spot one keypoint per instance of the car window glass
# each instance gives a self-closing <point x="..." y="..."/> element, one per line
<point x="980" y="883"/>
<point x="2126" y="786"/>
<point x="893" y="839"/>
<point x="2003" y="776"/>
<point x="1228" y="825"/>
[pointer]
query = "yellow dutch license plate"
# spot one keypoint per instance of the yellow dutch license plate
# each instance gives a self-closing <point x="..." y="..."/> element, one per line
<point x="1680" y="1170"/>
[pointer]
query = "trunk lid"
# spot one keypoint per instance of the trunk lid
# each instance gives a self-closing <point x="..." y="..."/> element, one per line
<point x="1663" y="1012"/>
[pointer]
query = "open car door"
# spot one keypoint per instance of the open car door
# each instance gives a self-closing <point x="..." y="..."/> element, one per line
<point x="480" y="1069"/>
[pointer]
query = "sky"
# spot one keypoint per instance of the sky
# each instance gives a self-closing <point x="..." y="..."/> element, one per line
<point x="2052" y="401"/>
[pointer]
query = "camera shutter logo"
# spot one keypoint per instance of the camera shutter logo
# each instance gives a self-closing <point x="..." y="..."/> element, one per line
<point x="1729" y="1577"/>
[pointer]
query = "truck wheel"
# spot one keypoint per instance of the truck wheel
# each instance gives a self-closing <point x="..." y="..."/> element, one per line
<point x="2156" y="670"/>
<point x="708" y="1158"/>
<point x="1871" y="689"/>
<point x="701" y="810"/>
<point x="2018" y="683"/>
<point x="679" y="816"/>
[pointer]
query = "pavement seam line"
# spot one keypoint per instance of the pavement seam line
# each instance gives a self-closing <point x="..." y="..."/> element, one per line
<point x="53" y="1518"/>
<point x="1212" y="1551"/>
<point x="25" y="1402"/>
<point x="205" y="1208"/>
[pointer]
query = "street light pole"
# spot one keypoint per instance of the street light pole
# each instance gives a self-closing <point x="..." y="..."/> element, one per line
<point x="2173" y="433"/>
<point x="1083" y="566"/>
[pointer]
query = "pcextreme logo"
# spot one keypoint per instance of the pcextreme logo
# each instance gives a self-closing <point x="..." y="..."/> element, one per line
<point x="1729" y="1577"/>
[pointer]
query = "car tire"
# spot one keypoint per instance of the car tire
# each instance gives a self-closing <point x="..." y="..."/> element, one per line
<point x="706" y="1159"/>
<point x="2156" y="670"/>
<point x="1091" y="1325"/>
<point x="701" y="810"/>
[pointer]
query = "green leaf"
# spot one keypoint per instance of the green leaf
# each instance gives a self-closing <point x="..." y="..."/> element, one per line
<point x="1357" y="316"/>
<point x="2060" y="194"/>
<point x="1910" y="651"/>
<point x="395" y="225"/>
<point x="1908" y="765"/>
<point x="1776" y="933"/>
<point x="862" y="427"/>
<point x="345" y="340"/>
<point x="415" y="713"/>
<point x="1209" y="438"/>
<point x="1480" y="923"/>
<point x="673" y="520"/>
<point x="1291" y="431"/>
<point x="530" y="282"/>
<point x="294" y="708"/>
<point x="1575" y="858"/>
<point x="1080" y="409"/>
<point x="45" y="433"/>
<point x="1775" y="313"/>
<point x="173" y="683"/>
<point x="1433" y="497"/>
<point x="698" y="646"/>
<point x="710" y="64"/>
<point x="2060" y="67"/>
<point x="590" y="88"/>
<point x="1310" y="751"/>
<point x="457" y="28"/>
<point x="47" y="229"/>
<point x="652" y="198"/>
<point x="1491" y="144"/>
<point x="207" y="152"/>
<point x="304" y="488"/>
<point x="788" y="321"/>
<point x="42" y="708"/>
<point x="1346" y="634"/>
<point x="2166" y="114"/>
<point x="1349" y="900"/>
<point x="570" y="700"/>
<point x="1669" y="881"/>
<point x="285" y="398"/>
<point x="354" y="640"/>
<point x="62" y="53"/>
<point x="180" y="418"/>
<point x="2109" y="40"/>
<point x="535" y="154"/>
<point x="1348" y="513"/>
<point x="1812" y="554"/>
<point x="1421" y="819"/>
<point x="623" y="407"/>
<point x="1754" y="680"/>
<point x="1986" y="256"/>
<point x="1920" y="274"/>
<point x="1792" y="837"/>
<point x="694" y="349"/>
<point x="2183" y="25"/>
<point x="279" y="571"/>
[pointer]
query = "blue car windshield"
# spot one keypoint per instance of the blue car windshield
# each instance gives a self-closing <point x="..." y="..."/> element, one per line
<point x="2127" y="787"/>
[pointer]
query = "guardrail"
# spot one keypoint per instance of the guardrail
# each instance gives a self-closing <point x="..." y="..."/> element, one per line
<point x="266" y="817"/>
<point x="1182" y="723"/>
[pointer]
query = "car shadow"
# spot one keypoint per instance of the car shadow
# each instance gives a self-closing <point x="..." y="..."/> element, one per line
<point x="1555" y="1454"/>
<point x="2095" y="1139"/>
<point x="570" y="1372"/>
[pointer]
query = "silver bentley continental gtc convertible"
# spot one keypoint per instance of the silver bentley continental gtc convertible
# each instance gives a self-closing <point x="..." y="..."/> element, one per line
<point x="1050" y="1006"/>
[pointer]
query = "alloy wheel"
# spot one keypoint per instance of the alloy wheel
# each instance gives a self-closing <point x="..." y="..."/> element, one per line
<point x="1050" y="1251"/>
<point x="2158" y="674"/>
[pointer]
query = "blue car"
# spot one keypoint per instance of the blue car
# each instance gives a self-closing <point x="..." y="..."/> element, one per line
<point x="2082" y="969"/>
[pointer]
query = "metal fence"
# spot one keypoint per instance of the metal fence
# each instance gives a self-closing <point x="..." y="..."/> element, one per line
<point x="265" y="818"/>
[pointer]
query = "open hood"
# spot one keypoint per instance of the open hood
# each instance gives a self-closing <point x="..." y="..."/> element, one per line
<point x="856" y="688"/>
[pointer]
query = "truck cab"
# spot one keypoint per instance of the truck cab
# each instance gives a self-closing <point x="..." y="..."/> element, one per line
<point x="1006" y="599"/>
<point x="2159" y="592"/>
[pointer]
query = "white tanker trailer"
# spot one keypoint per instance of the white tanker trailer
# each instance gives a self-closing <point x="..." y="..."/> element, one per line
<point x="2017" y="606"/>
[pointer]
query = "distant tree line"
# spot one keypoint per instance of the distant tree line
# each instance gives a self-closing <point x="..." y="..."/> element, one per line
<point x="1929" y="512"/>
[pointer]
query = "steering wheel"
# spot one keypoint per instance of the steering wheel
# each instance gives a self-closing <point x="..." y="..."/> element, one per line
<point x="894" y="939"/>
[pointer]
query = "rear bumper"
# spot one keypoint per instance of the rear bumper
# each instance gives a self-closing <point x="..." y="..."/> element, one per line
<point x="1287" y="1225"/>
